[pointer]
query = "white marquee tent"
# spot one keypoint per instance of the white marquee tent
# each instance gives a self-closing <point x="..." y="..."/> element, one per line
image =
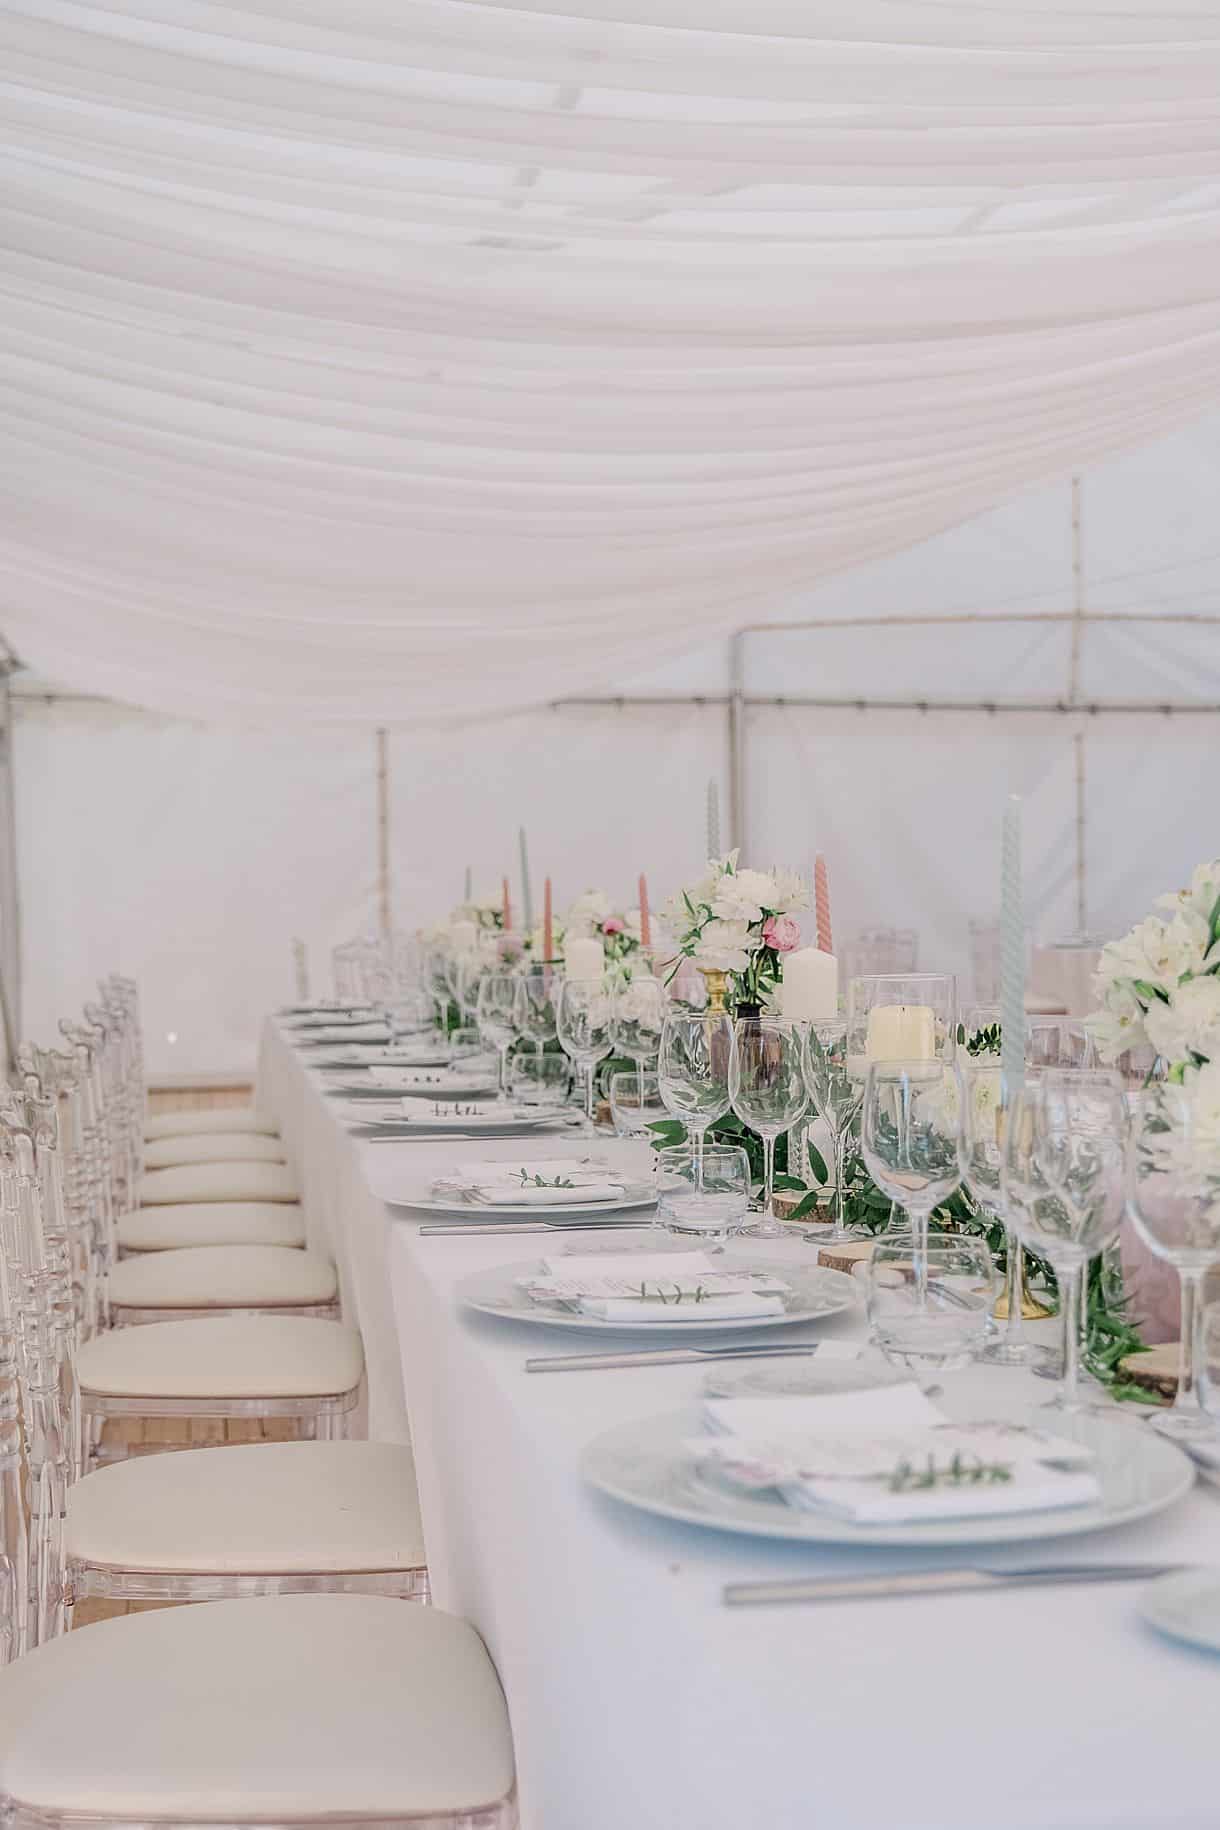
<point x="456" y="371"/>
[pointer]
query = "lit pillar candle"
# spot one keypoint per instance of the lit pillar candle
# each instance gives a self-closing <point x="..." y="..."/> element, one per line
<point x="508" y="907"/>
<point x="548" y="923"/>
<point x="584" y="958"/>
<point x="464" y="936"/>
<point x="645" y="918"/>
<point x="811" y="986"/>
<point x="901" y="1032"/>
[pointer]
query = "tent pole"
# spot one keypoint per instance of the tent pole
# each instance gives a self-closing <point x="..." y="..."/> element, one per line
<point x="10" y="905"/>
<point x="1078" y="619"/>
<point x="737" y="743"/>
<point x="385" y="918"/>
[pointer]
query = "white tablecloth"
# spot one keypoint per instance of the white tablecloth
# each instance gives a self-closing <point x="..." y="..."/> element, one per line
<point x="638" y="1701"/>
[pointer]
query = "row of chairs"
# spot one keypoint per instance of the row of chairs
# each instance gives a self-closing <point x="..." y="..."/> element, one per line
<point x="158" y="1268"/>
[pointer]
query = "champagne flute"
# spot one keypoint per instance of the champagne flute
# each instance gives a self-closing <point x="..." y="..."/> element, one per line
<point x="693" y="1070"/>
<point x="767" y="1092"/>
<point x="980" y="1156"/>
<point x="837" y="1096"/>
<point x="1064" y="1185"/>
<point x="495" y="1015"/>
<point x="582" y="1021"/>
<point x="537" y="989"/>
<point x="1174" y="1188"/>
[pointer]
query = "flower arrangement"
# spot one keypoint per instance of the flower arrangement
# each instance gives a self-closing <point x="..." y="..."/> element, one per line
<point x="1160" y="985"/>
<point x="486" y="912"/>
<point x="739" y="922"/>
<point x="593" y="917"/>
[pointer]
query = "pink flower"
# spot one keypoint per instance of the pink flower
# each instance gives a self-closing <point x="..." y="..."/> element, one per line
<point x="782" y="933"/>
<point x="613" y="925"/>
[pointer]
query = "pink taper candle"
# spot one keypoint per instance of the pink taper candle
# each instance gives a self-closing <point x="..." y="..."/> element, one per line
<point x="821" y="903"/>
<point x="548" y="936"/>
<point x="645" y="923"/>
<point x="508" y="908"/>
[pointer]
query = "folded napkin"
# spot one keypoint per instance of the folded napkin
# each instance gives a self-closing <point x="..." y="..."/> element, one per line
<point x="350" y="1032"/>
<point x="574" y="1168"/>
<point x="888" y="1456"/>
<point x="397" y="1078"/>
<point x="530" y="1194"/>
<point x="664" y="1287"/>
<point x="441" y="1080"/>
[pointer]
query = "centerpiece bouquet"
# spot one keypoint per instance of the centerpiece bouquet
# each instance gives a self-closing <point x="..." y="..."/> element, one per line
<point x="1160" y="984"/>
<point x="594" y="917"/>
<point x="740" y="923"/>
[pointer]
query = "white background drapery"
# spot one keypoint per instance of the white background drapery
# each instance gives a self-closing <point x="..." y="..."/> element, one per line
<point x="344" y="347"/>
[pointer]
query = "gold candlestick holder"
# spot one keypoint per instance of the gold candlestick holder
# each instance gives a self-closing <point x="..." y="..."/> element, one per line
<point x="1031" y="1309"/>
<point x="717" y="986"/>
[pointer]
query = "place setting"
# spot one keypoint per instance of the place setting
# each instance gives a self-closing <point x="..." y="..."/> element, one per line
<point x="544" y="1192"/>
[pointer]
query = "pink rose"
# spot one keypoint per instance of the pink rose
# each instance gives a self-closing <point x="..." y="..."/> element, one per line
<point x="782" y="933"/>
<point x="612" y="925"/>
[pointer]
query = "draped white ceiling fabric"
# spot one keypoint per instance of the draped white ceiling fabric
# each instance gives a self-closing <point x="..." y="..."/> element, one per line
<point x="347" y="346"/>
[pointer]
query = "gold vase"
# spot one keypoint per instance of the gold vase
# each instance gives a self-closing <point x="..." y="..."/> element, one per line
<point x="717" y="985"/>
<point x="1031" y="1309"/>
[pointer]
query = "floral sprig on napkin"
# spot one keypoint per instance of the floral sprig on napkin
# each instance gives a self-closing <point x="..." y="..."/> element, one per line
<point x="739" y="922"/>
<point x="1161" y="983"/>
<point x="529" y="1181"/>
<point x="959" y="1471"/>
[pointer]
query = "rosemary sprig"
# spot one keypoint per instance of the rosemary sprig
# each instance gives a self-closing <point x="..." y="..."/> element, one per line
<point x="960" y="1471"/>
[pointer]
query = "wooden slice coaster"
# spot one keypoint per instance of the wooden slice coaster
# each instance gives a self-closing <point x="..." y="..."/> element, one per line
<point x="1156" y="1370"/>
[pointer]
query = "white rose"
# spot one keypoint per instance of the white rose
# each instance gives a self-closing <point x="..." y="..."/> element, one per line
<point x="1189" y="1023"/>
<point x="723" y="946"/>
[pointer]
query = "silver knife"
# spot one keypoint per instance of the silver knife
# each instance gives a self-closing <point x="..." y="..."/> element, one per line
<point x="664" y="1356"/>
<point x="533" y="1226"/>
<point x="937" y="1582"/>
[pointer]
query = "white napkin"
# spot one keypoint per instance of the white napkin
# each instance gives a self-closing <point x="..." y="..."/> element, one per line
<point x="609" y="1287"/>
<point x="530" y="1194"/>
<point x="575" y="1168"/>
<point x="398" y="1078"/>
<point x="351" y="1032"/>
<point x="840" y="1454"/>
<point x="440" y="1080"/>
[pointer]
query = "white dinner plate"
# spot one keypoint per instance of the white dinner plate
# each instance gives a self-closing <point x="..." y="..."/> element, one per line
<point x="651" y="1465"/>
<point x="816" y="1292"/>
<point x="635" y="1199"/>
<point x="1186" y="1606"/>
<point x="402" y="1129"/>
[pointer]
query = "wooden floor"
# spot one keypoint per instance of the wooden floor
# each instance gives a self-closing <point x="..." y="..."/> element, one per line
<point x="163" y="1434"/>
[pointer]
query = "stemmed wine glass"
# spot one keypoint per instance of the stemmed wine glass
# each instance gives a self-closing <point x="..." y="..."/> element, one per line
<point x="693" y="1070"/>
<point x="537" y="990"/>
<point x="582" y="1020"/>
<point x="908" y="1136"/>
<point x="637" y="1017"/>
<point x="979" y="1155"/>
<point x="837" y="1096"/>
<point x="767" y="1092"/>
<point x="1174" y="1189"/>
<point x="1063" y="1183"/>
<point x="495" y="1015"/>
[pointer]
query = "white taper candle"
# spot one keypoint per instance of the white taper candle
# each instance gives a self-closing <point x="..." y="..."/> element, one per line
<point x="527" y="901"/>
<point x="713" y="819"/>
<point x="1012" y="956"/>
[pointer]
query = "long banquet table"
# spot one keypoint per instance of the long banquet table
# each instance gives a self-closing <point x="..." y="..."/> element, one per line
<point x="640" y="1702"/>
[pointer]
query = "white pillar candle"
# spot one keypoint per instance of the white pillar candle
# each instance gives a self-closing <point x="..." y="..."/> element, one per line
<point x="811" y="986"/>
<point x="463" y="936"/>
<point x="901" y="1032"/>
<point x="584" y="959"/>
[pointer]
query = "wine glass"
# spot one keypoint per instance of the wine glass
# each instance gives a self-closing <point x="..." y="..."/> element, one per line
<point x="537" y="990"/>
<point x="496" y="1016"/>
<point x="436" y="980"/>
<point x="837" y="1096"/>
<point x="1058" y="1042"/>
<point x="901" y="1016"/>
<point x="908" y="1137"/>
<point x="928" y="1312"/>
<point x="693" y="1069"/>
<point x="1174" y="1201"/>
<point x="979" y="1156"/>
<point x="635" y="1103"/>
<point x="704" y="1191"/>
<point x="582" y="1021"/>
<point x="638" y="1011"/>
<point x="767" y="1092"/>
<point x="540" y="1082"/>
<point x="1062" y="1179"/>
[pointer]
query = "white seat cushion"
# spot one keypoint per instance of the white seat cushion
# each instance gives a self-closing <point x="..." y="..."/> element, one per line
<point x="218" y="1182"/>
<point x="213" y="1147"/>
<point x="295" y="1706"/>
<point x="223" y="1276"/>
<point x="217" y="1118"/>
<point x="270" y="1507"/>
<point x="166" y="1229"/>
<point x="233" y="1356"/>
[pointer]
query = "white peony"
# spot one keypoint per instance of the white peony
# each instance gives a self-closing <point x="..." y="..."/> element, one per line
<point x="723" y="946"/>
<point x="789" y="892"/>
<point x="587" y="913"/>
<point x="743" y="897"/>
